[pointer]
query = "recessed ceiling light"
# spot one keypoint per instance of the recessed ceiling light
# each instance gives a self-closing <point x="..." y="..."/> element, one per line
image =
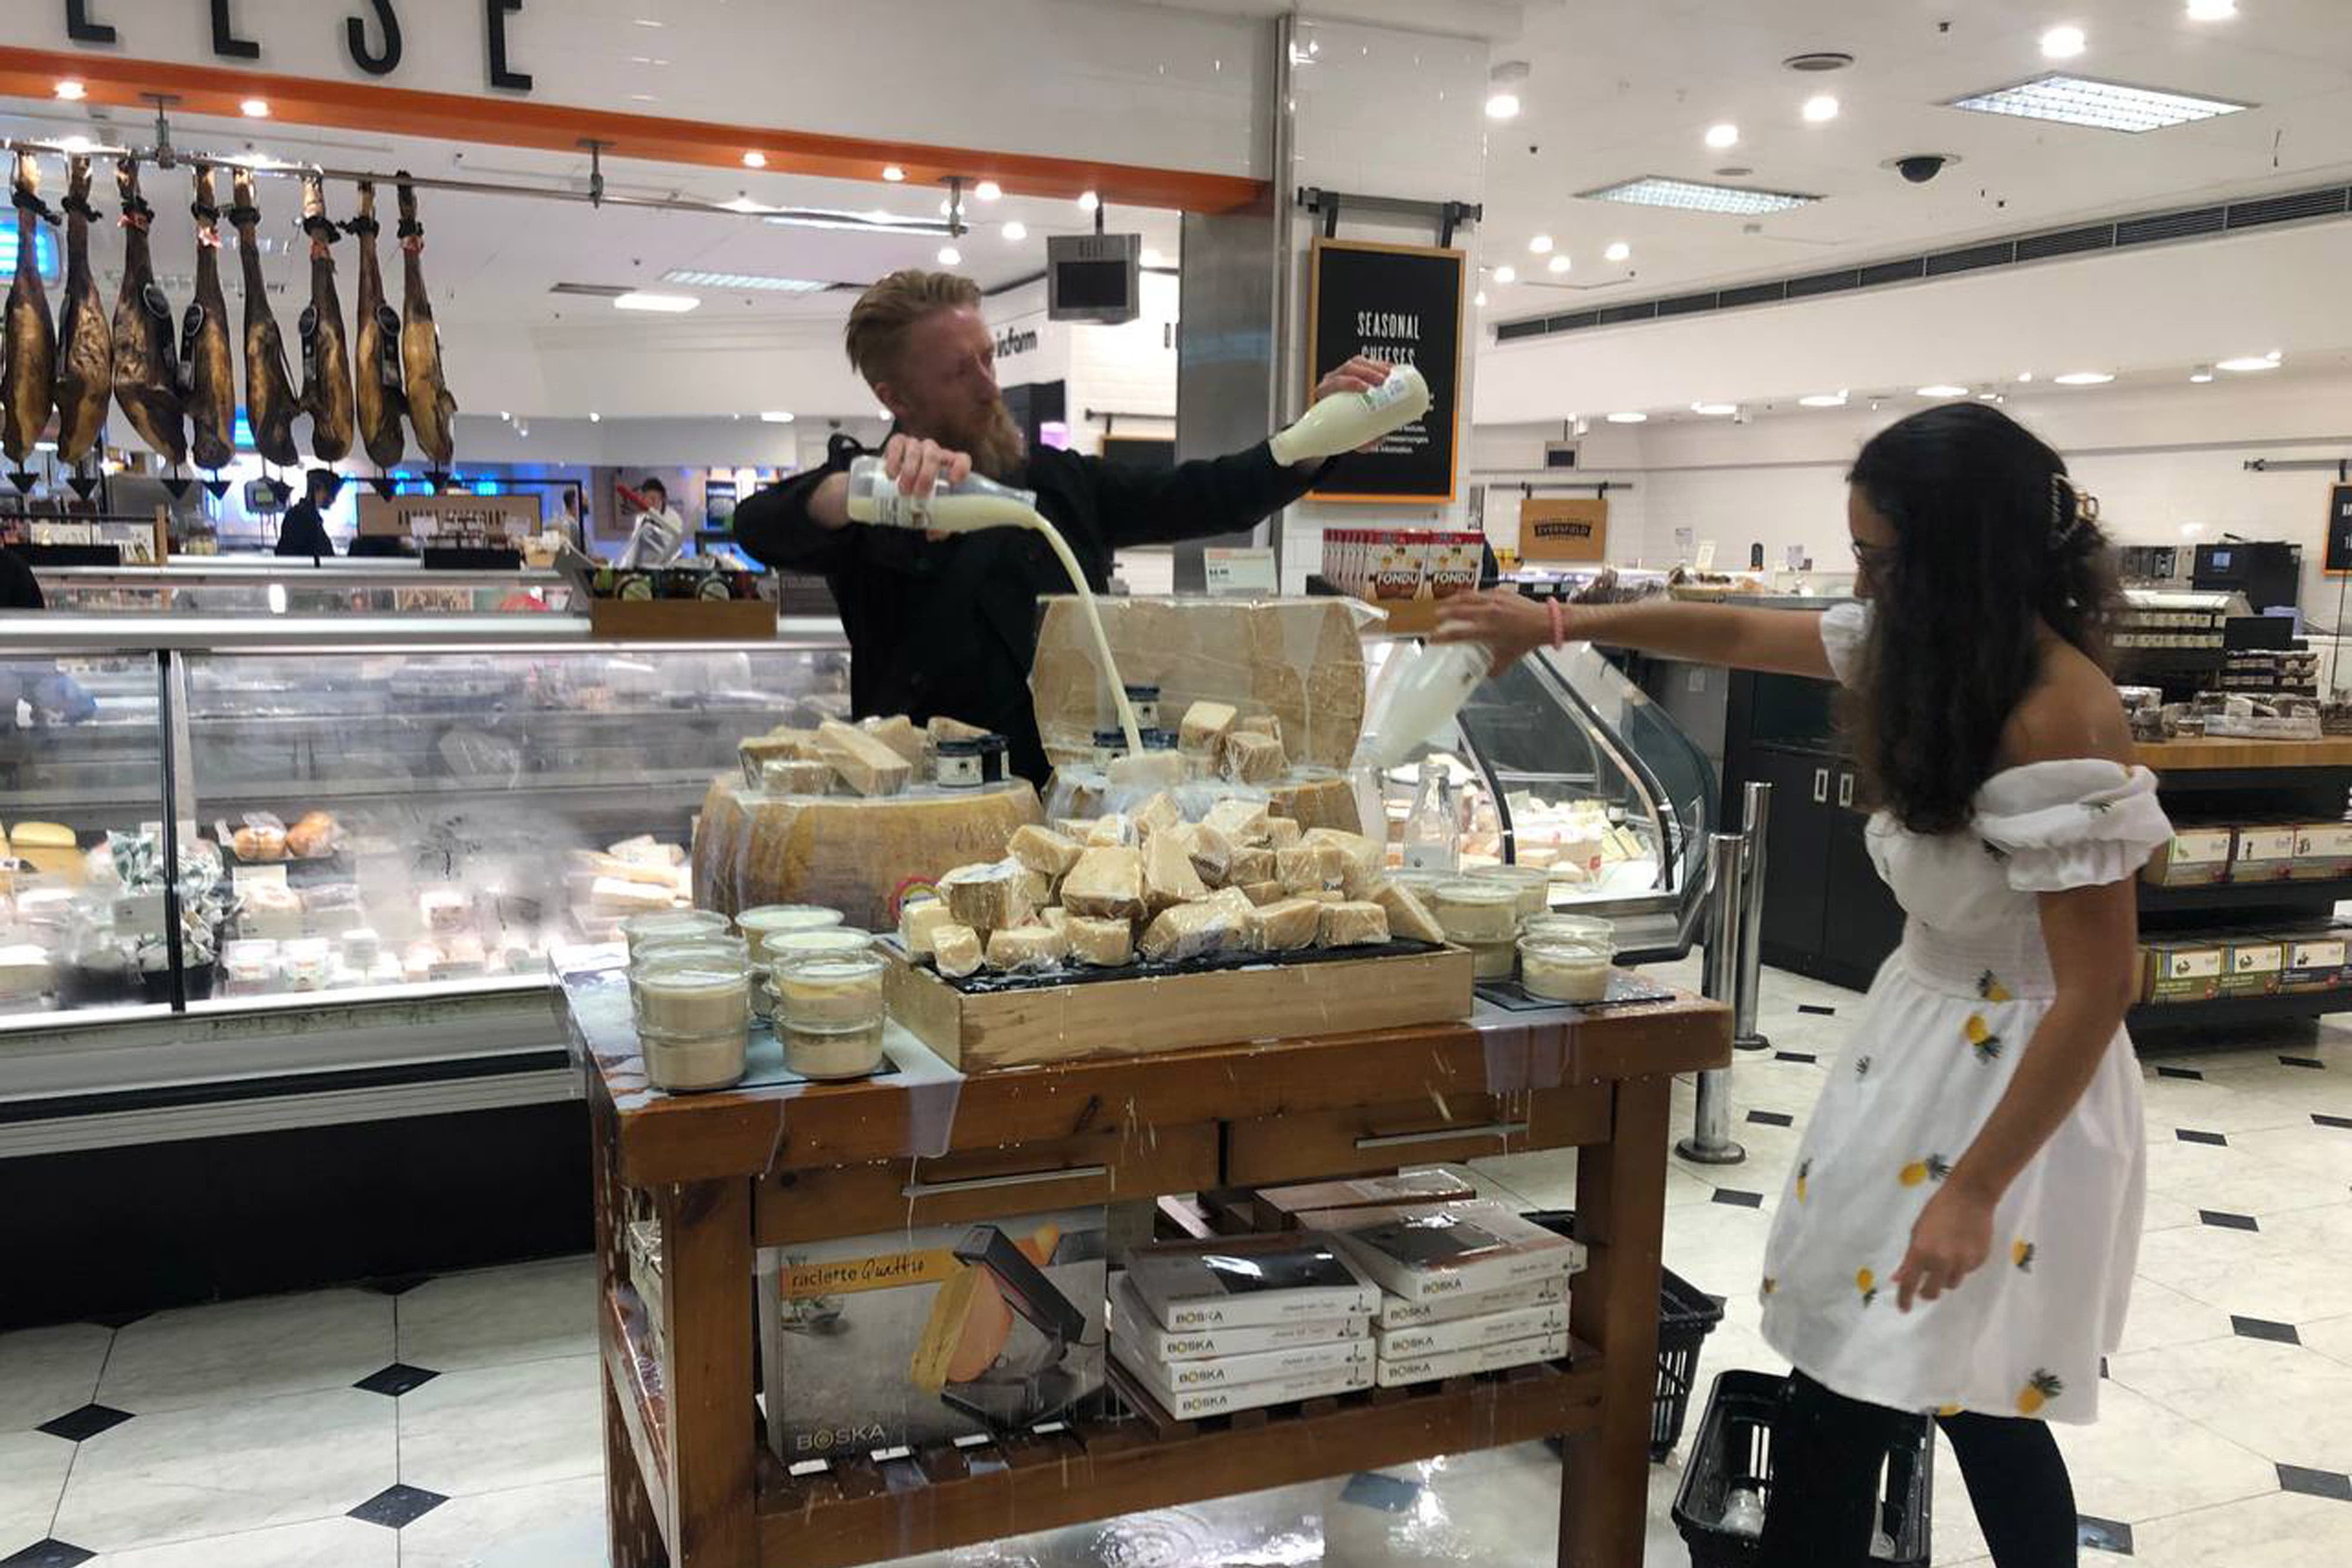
<point x="1617" y="250"/>
<point x="2063" y="43"/>
<point x="1541" y="244"/>
<point x="647" y="22"/>
<point x="2211" y="10"/>
<point x="254" y="108"/>
<point x="1015" y="232"/>
<point x="77" y="144"/>
<point x="1819" y="61"/>
<point x="1723" y="135"/>
<point x="71" y="90"/>
<point x="1507" y="275"/>
<point x="2099" y="105"/>
<point x="1148" y="257"/>
<point x="760" y="282"/>
<point x="595" y="418"/>
<point x="892" y="173"/>
<point x="1503" y="106"/>
<point x="2243" y="363"/>
<point x="1697" y="196"/>
<point x="1824" y="400"/>
<point x="1716" y="409"/>
<point x="1479" y="299"/>
<point x="1821" y="109"/>
<point x="1630" y="416"/>
<point x="755" y="159"/>
<point x="950" y="256"/>
<point x="642" y="97"/>
<point x="2202" y="374"/>
<point x="660" y="304"/>
<point x="2083" y="379"/>
<point x="775" y="416"/>
<point x="1943" y="389"/>
<point x="988" y="190"/>
<point x="2024" y="377"/>
<point x="1088" y="201"/>
<point x="1559" y="263"/>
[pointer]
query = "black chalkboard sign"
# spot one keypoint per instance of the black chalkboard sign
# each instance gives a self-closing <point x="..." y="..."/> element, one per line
<point x="1402" y="304"/>
<point x="2339" y="530"/>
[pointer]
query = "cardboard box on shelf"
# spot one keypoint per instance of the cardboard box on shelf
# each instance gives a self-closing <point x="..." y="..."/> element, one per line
<point x="2323" y="850"/>
<point x="2255" y="966"/>
<point x="2315" y="961"/>
<point x="1278" y="1207"/>
<point x="2186" y="970"/>
<point x="2195" y="856"/>
<point x="2265" y="852"/>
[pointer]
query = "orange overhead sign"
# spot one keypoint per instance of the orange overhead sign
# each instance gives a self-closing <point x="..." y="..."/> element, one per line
<point x="1564" y="527"/>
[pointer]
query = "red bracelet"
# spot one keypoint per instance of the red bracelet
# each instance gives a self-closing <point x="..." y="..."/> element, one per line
<point x="1558" y="623"/>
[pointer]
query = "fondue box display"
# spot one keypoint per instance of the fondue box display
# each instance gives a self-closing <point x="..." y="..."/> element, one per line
<point x="2317" y="960"/>
<point x="2265" y="852"/>
<point x="2255" y="966"/>
<point x="2194" y="856"/>
<point x="2183" y="969"/>
<point x="921" y="1335"/>
<point x="2323" y="850"/>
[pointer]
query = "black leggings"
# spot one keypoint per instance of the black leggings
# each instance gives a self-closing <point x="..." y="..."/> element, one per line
<point x="1827" y="1452"/>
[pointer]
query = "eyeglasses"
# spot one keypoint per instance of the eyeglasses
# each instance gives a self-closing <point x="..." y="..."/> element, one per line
<point x="1873" y="559"/>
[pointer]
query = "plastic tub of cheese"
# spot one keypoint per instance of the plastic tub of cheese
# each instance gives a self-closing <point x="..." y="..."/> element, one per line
<point x="671" y="925"/>
<point x="1563" y="965"/>
<point x="693" y="1012"/>
<point x="1474" y="913"/>
<point x="829" y="1012"/>
<point x="767" y="920"/>
<point x="1530" y="883"/>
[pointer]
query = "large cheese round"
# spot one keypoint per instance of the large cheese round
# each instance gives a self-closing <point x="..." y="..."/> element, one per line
<point x="846" y="853"/>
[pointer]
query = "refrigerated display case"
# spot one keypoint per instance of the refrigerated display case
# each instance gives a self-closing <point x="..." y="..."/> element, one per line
<point x="258" y="585"/>
<point x="1562" y="761"/>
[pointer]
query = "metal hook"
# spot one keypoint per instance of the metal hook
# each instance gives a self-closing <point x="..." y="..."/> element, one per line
<point x="955" y="207"/>
<point x="165" y="158"/>
<point x="595" y="169"/>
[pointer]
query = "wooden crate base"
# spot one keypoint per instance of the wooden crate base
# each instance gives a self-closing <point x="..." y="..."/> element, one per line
<point x="1100" y="1018"/>
<point x="682" y="620"/>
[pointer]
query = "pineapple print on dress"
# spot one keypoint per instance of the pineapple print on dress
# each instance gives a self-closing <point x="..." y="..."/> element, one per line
<point x="1980" y="1036"/>
<point x="1935" y="1167"/>
<point x="2021" y="1254"/>
<point x="1804" y="1178"/>
<point x="1990" y="987"/>
<point x="2040" y="1389"/>
<point x="1868" y="1284"/>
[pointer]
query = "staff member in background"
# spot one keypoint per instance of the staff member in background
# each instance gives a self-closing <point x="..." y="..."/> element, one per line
<point x="659" y="536"/>
<point x="304" y="532"/>
<point x="947" y="627"/>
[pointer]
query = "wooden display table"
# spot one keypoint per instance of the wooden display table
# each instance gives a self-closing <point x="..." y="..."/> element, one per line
<point x="689" y="1477"/>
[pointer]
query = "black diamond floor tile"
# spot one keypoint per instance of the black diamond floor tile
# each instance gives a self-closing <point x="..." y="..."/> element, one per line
<point x="2103" y="1366"/>
<point x="2315" y="1483"/>
<point x="1814" y="1009"/>
<point x="2228" y="1221"/>
<point x="1739" y="1200"/>
<point x="2324" y="1120"/>
<point x="1805" y="1056"/>
<point x="397" y="1379"/>
<point x="2193" y="1136"/>
<point x="48" y="1554"/>
<point x="2303" y="1062"/>
<point x="2103" y="1535"/>
<point x="395" y="1284"/>
<point x="2188" y="1073"/>
<point x="396" y="1507"/>
<point x="89" y="1421"/>
<point x="2262" y="1328"/>
<point x="1771" y="1118"/>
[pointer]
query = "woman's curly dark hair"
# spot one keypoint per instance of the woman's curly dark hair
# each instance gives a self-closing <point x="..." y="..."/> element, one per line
<point x="1990" y="544"/>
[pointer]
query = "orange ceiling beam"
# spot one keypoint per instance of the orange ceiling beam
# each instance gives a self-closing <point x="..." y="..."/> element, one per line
<point x="366" y="108"/>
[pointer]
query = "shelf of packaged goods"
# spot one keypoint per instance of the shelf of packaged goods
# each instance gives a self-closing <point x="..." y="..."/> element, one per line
<point x="2316" y="895"/>
<point x="2224" y="1012"/>
<point x="2204" y="755"/>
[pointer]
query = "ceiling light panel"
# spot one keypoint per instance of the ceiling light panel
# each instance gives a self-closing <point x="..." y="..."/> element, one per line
<point x="1697" y="196"/>
<point x="2098" y="105"/>
<point x="744" y="280"/>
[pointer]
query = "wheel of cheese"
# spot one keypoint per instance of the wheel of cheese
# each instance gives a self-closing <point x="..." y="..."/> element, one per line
<point x="846" y="853"/>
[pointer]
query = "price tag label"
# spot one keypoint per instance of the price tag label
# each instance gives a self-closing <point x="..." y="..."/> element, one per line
<point x="1238" y="573"/>
<point x="1795" y="558"/>
<point x="244" y="876"/>
<point x="1706" y="562"/>
<point x="1683" y="540"/>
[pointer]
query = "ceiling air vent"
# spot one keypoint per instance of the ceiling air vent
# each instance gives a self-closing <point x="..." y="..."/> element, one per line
<point x="593" y="290"/>
<point x="2066" y="241"/>
<point x="1908" y="270"/>
<point x="1753" y="293"/>
<point x="1944" y="262"/>
<point x="1823" y="283"/>
<point x="2288" y="209"/>
<point x="2186" y="224"/>
<point x="1687" y="304"/>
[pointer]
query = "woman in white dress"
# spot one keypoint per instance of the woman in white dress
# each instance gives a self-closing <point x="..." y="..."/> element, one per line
<point x="1958" y="1234"/>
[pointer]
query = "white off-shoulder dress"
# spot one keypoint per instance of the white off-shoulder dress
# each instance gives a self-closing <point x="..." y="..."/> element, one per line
<point x="1940" y="1036"/>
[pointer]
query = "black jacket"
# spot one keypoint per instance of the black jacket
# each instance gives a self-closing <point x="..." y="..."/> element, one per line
<point x="950" y="628"/>
<point x="303" y="533"/>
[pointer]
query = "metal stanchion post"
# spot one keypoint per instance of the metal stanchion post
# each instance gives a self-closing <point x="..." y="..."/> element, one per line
<point x="1745" y="1035"/>
<point x="1710" y="1141"/>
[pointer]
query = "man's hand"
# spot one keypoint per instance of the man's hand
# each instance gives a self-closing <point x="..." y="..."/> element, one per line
<point x="1359" y="374"/>
<point x="1510" y="624"/>
<point x="1951" y="1240"/>
<point x="920" y="465"/>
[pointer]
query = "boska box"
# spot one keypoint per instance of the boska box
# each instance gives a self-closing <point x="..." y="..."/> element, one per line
<point x="2265" y="852"/>
<point x="2182" y="971"/>
<point x="2194" y="857"/>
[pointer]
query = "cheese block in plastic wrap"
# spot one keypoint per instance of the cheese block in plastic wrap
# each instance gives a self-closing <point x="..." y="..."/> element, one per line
<point x="1100" y="943"/>
<point x="1362" y="859"/>
<point x="1106" y="883"/>
<point x="864" y="761"/>
<point x="1113" y="830"/>
<point x="919" y="923"/>
<point x="1318" y="799"/>
<point x="843" y="853"/>
<point x="956" y="950"/>
<point x="1282" y="832"/>
<point x="1058" y="918"/>
<point x="781" y="777"/>
<point x="1264" y="724"/>
<point x="1264" y="891"/>
<point x="1250" y="865"/>
<point x="1211" y="851"/>
<point x="1285" y="926"/>
<point x="1204" y="728"/>
<point x="1044" y="850"/>
<point x="1167" y="874"/>
<point x="1027" y="948"/>
<point x="1253" y="760"/>
<point x="1409" y="917"/>
<point x="899" y="733"/>
<point x="785" y="745"/>
<point x="1352" y="924"/>
<point x="1299" y="660"/>
<point x="988" y="897"/>
<point x="1240" y="818"/>
<point x="1160" y="811"/>
<point x="1309" y="868"/>
<point x="1211" y="924"/>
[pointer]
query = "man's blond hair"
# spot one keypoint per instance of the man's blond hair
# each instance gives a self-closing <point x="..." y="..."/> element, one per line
<point x="878" y="321"/>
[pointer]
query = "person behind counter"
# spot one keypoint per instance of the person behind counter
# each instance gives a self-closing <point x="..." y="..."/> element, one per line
<point x="659" y="535"/>
<point x="304" y="531"/>
<point x="1958" y="1231"/>
<point x="947" y="627"/>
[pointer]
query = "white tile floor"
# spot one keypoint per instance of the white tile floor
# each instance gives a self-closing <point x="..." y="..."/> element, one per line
<point x="454" y="1425"/>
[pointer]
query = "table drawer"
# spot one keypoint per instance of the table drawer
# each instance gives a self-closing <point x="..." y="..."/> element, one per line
<point x="1109" y="1164"/>
<point x="1365" y="1139"/>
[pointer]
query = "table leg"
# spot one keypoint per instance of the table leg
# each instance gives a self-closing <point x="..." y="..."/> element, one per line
<point x="633" y="1532"/>
<point x="1621" y="1194"/>
<point x="707" y="1299"/>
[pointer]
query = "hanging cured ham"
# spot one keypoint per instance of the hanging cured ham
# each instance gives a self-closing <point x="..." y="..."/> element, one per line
<point x="85" y="337"/>
<point x="146" y="361"/>
<point x="210" y="367"/>
<point x="32" y="348"/>
<point x="382" y="400"/>
<point x="431" y="408"/>
<point x="269" y="386"/>
<point x="326" y="351"/>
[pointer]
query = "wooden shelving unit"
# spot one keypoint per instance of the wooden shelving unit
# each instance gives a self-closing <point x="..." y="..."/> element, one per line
<point x="690" y="1482"/>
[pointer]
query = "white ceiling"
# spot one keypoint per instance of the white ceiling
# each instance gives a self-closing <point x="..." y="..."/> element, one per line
<point x="1629" y="88"/>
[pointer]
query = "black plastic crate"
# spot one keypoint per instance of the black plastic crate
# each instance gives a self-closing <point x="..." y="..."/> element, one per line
<point x="1686" y="1315"/>
<point x="1733" y="1449"/>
